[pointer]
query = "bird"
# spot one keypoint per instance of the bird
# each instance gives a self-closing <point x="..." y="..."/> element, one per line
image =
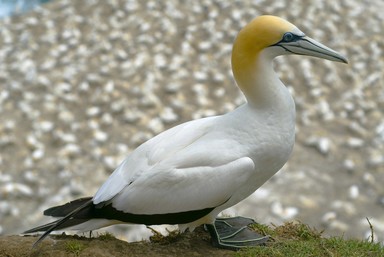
<point x="190" y="173"/>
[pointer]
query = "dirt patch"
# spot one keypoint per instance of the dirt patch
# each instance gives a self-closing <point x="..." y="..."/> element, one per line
<point x="187" y="244"/>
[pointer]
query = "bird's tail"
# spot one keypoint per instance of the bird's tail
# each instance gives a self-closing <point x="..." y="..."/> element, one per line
<point x="72" y="213"/>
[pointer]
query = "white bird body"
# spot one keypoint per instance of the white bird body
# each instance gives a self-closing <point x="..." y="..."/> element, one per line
<point x="201" y="164"/>
<point x="212" y="162"/>
<point x="188" y="174"/>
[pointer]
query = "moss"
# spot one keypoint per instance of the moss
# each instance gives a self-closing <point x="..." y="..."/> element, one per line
<point x="297" y="239"/>
<point x="263" y="229"/>
<point x="75" y="247"/>
<point x="157" y="237"/>
<point x="106" y="236"/>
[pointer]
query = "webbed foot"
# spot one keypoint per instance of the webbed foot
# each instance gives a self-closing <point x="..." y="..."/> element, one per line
<point x="233" y="233"/>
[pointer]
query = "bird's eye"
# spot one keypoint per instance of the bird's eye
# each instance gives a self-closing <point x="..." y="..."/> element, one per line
<point x="288" y="37"/>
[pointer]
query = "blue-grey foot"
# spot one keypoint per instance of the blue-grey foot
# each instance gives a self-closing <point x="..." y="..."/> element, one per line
<point x="234" y="233"/>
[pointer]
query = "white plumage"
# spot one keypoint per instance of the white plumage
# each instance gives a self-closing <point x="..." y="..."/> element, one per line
<point x="205" y="163"/>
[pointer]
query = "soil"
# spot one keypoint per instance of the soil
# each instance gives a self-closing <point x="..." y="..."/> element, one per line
<point x="187" y="244"/>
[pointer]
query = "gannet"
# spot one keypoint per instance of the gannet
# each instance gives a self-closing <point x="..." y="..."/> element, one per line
<point x="190" y="173"/>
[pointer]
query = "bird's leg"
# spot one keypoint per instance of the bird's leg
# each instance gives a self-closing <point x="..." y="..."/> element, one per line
<point x="234" y="233"/>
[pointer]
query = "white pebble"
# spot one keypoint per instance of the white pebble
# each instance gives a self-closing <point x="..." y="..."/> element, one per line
<point x="376" y="158"/>
<point x="369" y="178"/>
<point x="66" y="116"/>
<point x="355" y="142"/>
<point x="205" y="45"/>
<point x="93" y="124"/>
<point x="156" y="125"/>
<point x="160" y="61"/>
<point x="66" y="137"/>
<point x="16" y="189"/>
<point x="328" y="217"/>
<point x="70" y="150"/>
<point x="344" y="206"/>
<point x="46" y="126"/>
<point x="380" y="131"/>
<point x="131" y="116"/>
<point x="353" y="192"/>
<point x="149" y="100"/>
<point x="200" y="75"/>
<point x="5" y="208"/>
<point x="38" y="154"/>
<point x="9" y="125"/>
<point x="33" y="142"/>
<point x="100" y="136"/>
<point x="111" y="162"/>
<point x="31" y="176"/>
<point x="5" y="178"/>
<point x="84" y="86"/>
<point x="168" y="115"/>
<point x="307" y="202"/>
<point x="109" y="87"/>
<point x="349" y="165"/>
<point x="261" y="193"/>
<point x="93" y="111"/>
<point x="357" y="128"/>
<point x="338" y="225"/>
<point x="172" y="87"/>
<point x="107" y="119"/>
<point x="117" y="106"/>
<point x="322" y="144"/>
<point x="122" y="148"/>
<point x="284" y="213"/>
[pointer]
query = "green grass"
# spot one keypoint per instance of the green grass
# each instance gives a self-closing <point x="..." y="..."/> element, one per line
<point x="299" y="240"/>
<point x="106" y="236"/>
<point x="74" y="247"/>
<point x="157" y="237"/>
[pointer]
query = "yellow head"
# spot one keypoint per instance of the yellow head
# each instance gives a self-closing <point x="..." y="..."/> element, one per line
<point x="273" y="36"/>
<point x="261" y="33"/>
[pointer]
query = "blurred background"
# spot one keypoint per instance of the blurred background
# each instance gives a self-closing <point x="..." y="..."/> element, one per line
<point x="83" y="83"/>
<point x="15" y="7"/>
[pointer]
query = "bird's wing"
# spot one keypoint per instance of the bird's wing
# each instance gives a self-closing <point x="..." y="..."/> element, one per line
<point x="181" y="189"/>
<point x="189" y="167"/>
<point x="149" y="153"/>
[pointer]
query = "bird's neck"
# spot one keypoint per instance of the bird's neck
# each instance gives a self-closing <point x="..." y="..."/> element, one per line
<point x="255" y="76"/>
<point x="270" y="108"/>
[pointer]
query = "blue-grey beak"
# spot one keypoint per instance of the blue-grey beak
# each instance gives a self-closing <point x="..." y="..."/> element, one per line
<point x="307" y="46"/>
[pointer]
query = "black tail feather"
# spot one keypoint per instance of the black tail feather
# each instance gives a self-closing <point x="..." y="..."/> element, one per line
<point x="70" y="219"/>
<point x="44" y="227"/>
<point x="82" y="210"/>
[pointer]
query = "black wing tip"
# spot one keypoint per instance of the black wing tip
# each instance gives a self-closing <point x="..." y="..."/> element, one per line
<point x="63" y="210"/>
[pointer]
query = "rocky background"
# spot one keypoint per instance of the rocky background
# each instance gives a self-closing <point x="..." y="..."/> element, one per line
<point x="83" y="83"/>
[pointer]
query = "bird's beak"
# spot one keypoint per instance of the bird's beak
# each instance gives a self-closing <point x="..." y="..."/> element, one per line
<point x="307" y="46"/>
